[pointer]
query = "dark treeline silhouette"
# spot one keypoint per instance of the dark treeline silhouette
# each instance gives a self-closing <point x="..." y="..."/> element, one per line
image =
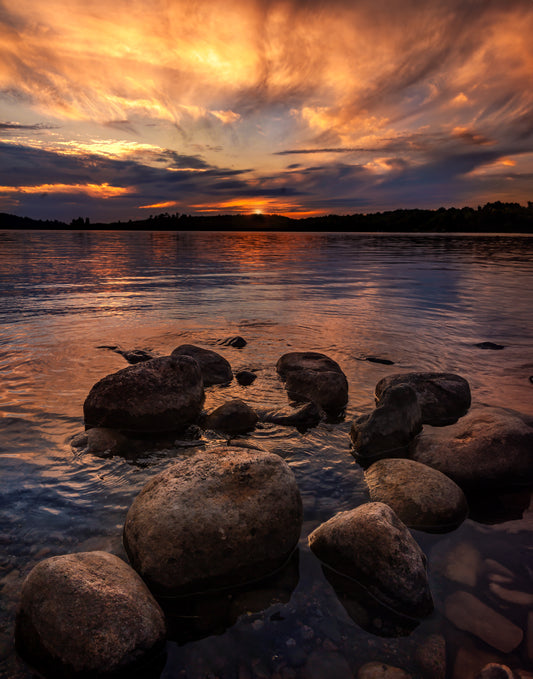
<point x="495" y="217"/>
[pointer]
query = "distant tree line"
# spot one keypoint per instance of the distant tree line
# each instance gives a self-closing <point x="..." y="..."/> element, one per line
<point x="494" y="217"/>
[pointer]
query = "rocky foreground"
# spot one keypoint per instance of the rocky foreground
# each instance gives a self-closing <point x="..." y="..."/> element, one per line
<point x="231" y="516"/>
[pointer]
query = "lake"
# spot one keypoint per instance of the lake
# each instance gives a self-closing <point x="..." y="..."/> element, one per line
<point x="421" y="301"/>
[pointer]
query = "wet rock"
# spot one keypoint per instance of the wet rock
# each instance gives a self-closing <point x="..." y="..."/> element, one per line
<point x="102" y="441"/>
<point x="371" y="545"/>
<point x="443" y="397"/>
<point x="87" y="614"/>
<point x="488" y="447"/>
<point x="214" y="367"/>
<point x="302" y="418"/>
<point x="379" y="670"/>
<point x="376" y="359"/>
<point x="389" y="429"/>
<point x="311" y="376"/>
<point x="496" y="671"/>
<point x="131" y="355"/>
<point x="470" y="614"/>
<point x="233" y="417"/>
<point x="217" y="519"/>
<point x="235" y="341"/>
<point x="490" y="345"/>
<point x="430" y="656"/>
<point x="245" y="377"/>
<point x="163" y="394"/>
<point x="421" y="497"/>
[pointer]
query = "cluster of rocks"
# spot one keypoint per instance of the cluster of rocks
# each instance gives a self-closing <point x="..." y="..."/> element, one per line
<point x="231" y="515"/>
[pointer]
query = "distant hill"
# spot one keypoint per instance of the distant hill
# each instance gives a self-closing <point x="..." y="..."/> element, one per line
<point x="495" y="217"/>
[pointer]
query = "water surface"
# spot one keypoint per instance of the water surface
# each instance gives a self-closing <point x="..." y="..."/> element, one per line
<point x="420" y="301"/>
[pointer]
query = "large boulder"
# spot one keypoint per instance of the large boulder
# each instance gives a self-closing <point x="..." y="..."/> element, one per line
<point x="488" y="447"/>
<point x="443" y="397"/>
<point x="389" y="429"/>
<point x="163" y="394"/>
<point x="214" y="367"/>
<point x="421" y="497"/>
<point x="233" y="417"/>
<point x="218" y="519"/>
<point x="371" y="545"/>
<point x="311" y="376"/>
<point x="87" y="614"/>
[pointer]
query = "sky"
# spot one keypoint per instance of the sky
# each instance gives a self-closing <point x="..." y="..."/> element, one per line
<point x="118" y="110"/>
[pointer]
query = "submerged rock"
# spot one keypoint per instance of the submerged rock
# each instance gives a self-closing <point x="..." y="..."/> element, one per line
<point x="131" y="355"/>
<point x="470" y="614"/>
<point x="235" y="341"/>
<point x="389" y="429"/>
<point x="87" y="614"/>
<point x="421" y="497"/>
<point x="443" y="397"/>
<point x="302" y="418"/>
<point x="311" y="376"/>
<point x="233" y="417"/>
<point x="214" y="367"/>
<point x="377" y="359"/>
<point x="488" y="447"/>
<point x="490" y="345"/>
<point x="217" y="519"/>
<point x="163" y="394"/>
<point x="379" y="670"/>
<point x="372" y="545"/>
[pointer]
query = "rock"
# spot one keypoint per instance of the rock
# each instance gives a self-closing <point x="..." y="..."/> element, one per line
<point x="218" y="519"/>
<point x="379" y="670"/>
<point x="245" y="377"/>
<point x="102" y="441"/>
<point x="163" y="394"/>
<point x="512" y="596"/>
<point x="87" y="614"/>
<point x="496" y="671"/>
<point x="214" y="367"/>
<point x="489" y="345"/>
<point x="371" y="545"/>
<point x="470" y="614"/>
<point x="461" y="563"/>
<point x="302" y="418"/>
<point x="389" y="429"/>
<point x="443" y="397"/>
<point x="421" y="497"/>
<point x="488" y="447"/>
<point x="235" y="341"/>
<point x="430" y="656"/>
<point x="376" y="359"/>
<point x="131" y="355"/>
<point x="136" y="355"/>
<point x="233" y="417"/>
<point x="310" y="376"/>
<point x="470" y="658"/>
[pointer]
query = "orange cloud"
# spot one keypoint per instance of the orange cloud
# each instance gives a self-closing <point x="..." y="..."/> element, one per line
<point x="93" y="190"/>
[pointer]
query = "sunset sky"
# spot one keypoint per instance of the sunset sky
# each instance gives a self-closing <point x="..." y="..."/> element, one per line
<point x="122" y="109"/>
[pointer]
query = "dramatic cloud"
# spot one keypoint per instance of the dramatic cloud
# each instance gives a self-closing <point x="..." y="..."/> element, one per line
<point x="205" y="106"/>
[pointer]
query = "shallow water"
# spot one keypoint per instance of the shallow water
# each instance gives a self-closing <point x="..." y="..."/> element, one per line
<point x="420" y="301"/>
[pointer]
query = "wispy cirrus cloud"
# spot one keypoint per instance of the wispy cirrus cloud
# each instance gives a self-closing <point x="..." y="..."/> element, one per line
<point x="383" y="103"/>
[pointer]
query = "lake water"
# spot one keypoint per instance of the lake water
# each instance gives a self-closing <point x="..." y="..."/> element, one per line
<point x="420" y="301"/>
